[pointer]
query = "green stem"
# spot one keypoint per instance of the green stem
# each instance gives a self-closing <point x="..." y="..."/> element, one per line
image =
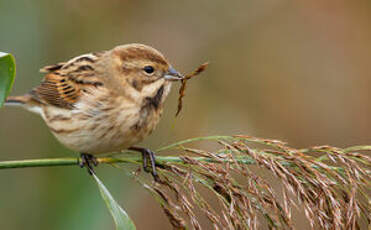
<point x="358" y="148"/>
<point x="38" y="163"/>
<point x="179" y="143"/>
<point x="160" y="160"/>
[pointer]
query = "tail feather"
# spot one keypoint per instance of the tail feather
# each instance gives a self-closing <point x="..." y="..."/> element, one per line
<point x="25" y="101"/>
<point x="17" y="100"/>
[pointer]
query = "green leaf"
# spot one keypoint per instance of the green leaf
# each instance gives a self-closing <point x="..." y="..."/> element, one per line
<point x="121" y="218"/>
<point x="7" y="75"/>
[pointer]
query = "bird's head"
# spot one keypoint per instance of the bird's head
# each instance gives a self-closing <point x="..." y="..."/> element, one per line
<point x="142" y="67"/>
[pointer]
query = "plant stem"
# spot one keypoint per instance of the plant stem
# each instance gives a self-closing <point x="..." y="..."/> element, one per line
<point x="358" y="148"/>
<point x="160" y="160"/>
<point x="38" y="163"/>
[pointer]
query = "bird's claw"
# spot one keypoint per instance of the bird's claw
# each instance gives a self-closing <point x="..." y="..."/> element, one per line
<point x="88" y="161"/>
<point x="148" y="157"/>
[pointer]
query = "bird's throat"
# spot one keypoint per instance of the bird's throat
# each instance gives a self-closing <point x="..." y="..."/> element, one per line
<point x="155" y="100"/>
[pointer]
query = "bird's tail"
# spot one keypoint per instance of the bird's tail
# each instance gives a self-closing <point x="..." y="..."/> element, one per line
<point x="25" y="101"/>
<point x="17" y="100"/>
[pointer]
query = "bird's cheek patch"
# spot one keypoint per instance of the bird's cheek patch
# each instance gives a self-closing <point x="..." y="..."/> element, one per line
<point x="136" y="84"/>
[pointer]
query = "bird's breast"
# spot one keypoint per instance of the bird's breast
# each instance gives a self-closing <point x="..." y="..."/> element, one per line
<point x="104" y="126"/>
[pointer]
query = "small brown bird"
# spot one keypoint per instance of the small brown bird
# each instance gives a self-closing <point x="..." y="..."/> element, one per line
<point x="103" y="102"/>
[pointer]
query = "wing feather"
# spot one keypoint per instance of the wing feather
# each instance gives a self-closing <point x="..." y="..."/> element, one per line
<point x="57" y="90"/>
<point x="64" y="82"/>
<point x="52" y="68"/>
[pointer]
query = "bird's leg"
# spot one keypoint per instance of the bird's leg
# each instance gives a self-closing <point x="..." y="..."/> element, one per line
<point x="147" y="155"/>
<point x="145" y="162"/>
<point x="88" y="160"/>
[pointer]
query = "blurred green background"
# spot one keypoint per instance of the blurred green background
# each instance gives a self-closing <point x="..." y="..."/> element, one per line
<point x="293" y="70"/>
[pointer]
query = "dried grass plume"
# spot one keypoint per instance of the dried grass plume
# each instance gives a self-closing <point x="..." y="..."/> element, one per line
<point x="230" y="187"/>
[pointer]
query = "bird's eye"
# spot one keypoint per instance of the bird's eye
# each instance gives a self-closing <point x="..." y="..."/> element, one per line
<point x="148" y="69"/>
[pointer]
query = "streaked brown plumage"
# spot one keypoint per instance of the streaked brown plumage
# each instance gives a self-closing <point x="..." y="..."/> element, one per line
<point x="103" y="102"/>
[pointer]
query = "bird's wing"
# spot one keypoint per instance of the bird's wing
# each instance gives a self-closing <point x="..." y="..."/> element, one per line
<point x="64" y="83"/>
<point x="57" y="90"/>
<point x="52" y="68"/>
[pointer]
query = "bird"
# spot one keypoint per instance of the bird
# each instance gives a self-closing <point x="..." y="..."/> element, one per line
<point x="104" y="102"/>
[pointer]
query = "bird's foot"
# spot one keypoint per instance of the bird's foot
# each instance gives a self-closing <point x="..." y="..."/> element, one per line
<point x="88" y="161"/>
<point x="148" y="157"/>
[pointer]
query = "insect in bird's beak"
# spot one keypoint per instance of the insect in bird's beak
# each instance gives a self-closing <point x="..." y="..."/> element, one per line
<point x="173" y="75"/>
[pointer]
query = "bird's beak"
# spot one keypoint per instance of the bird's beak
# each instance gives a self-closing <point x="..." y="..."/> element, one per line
<point x="173" y="75"/>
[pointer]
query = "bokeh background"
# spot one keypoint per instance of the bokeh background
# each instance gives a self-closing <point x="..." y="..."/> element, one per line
<point x="298" y="71"/>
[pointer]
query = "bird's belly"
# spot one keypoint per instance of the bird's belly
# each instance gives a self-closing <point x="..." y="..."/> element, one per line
<point x="102" y="133"/>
